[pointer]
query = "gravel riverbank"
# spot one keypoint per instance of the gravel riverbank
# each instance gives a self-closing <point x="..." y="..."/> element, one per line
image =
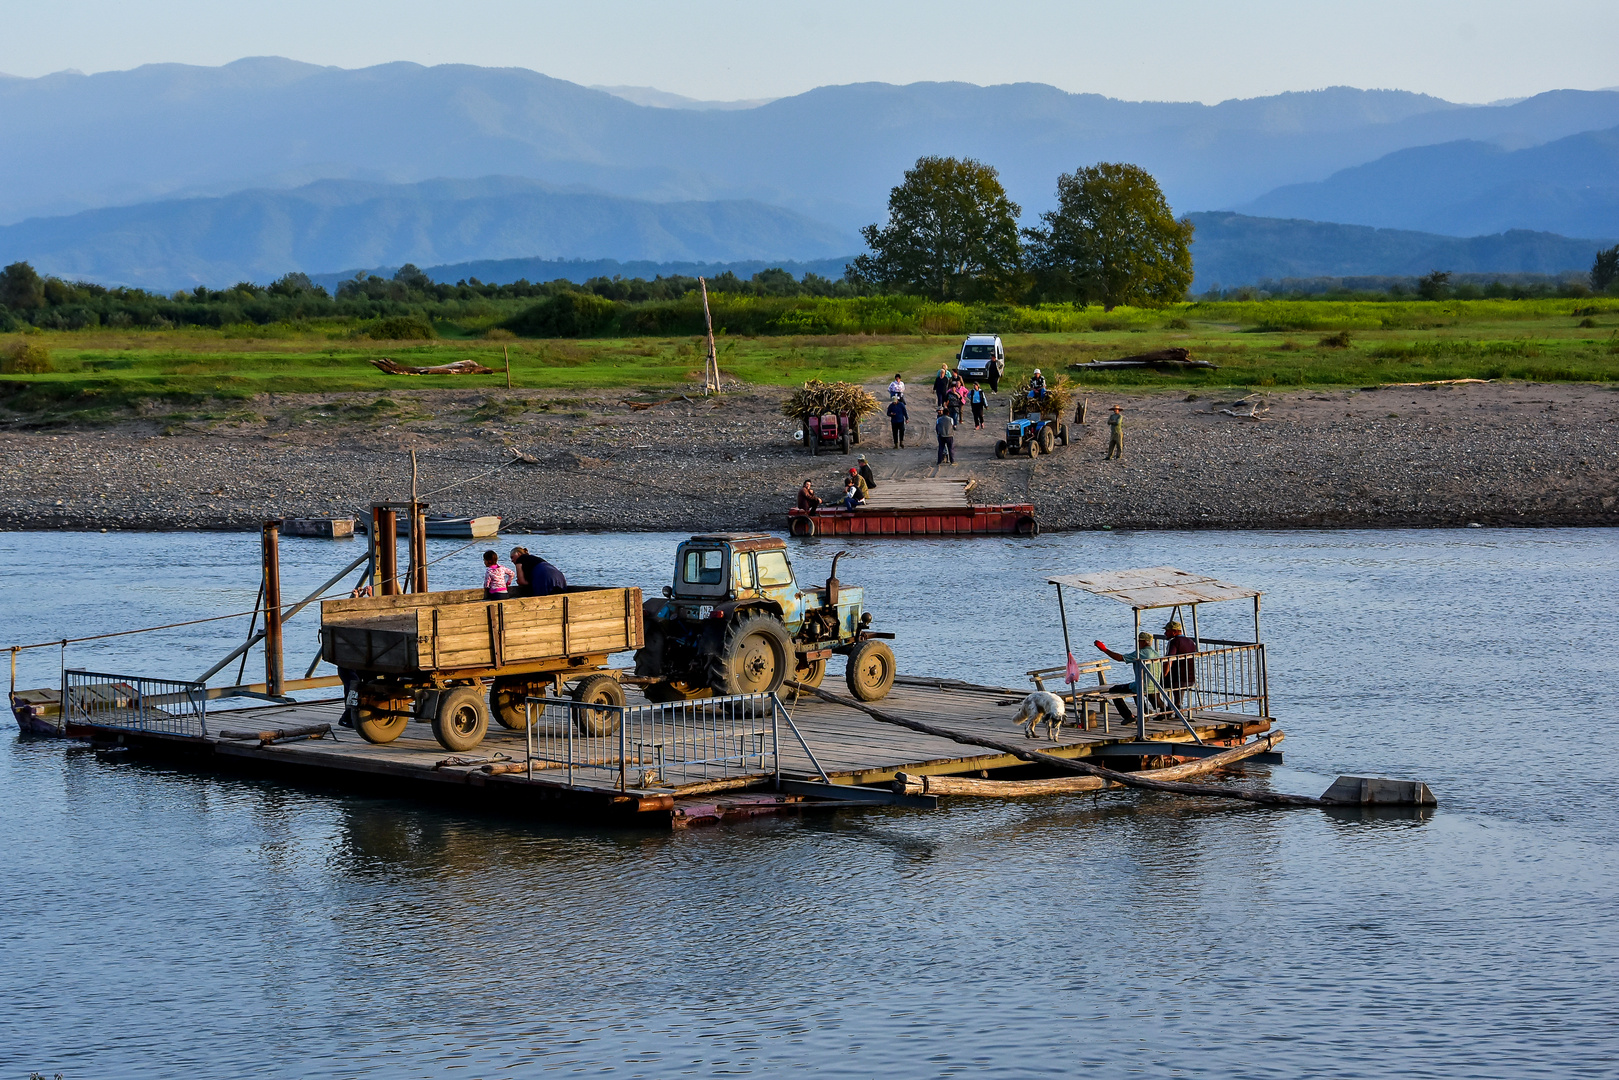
<point x="1496" y="454"/>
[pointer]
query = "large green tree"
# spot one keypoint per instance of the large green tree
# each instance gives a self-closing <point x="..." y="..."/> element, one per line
<point x="952" y="234"/>
<point x="21" y="287"/>
<point x="1605" y="269"/>
<point x="1112" y="239"/>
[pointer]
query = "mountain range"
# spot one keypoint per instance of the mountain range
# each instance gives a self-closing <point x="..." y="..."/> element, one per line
<point x="258" y="235"/>
<point x="169" y="174"/>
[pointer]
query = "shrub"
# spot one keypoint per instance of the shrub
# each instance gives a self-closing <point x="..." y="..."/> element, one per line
<point x="565" y="315"/>
<point x="401" y="328"/>
<point x="1340" y="340"/>
<point x="25" y="358"/>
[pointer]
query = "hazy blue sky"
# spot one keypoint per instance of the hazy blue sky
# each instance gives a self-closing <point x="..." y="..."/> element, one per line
<point x="1480" y="50"/>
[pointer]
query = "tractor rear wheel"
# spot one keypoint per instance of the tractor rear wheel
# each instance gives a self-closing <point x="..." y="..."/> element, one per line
<point x="1048" y="439"/>
<point x="871" y="670"/>
<point x="597" y="690"/>
<point x="843" y="443"/>
<point x="814" y="440"/>
<point x="462" y="719"/>
<point x="754" y="659"/>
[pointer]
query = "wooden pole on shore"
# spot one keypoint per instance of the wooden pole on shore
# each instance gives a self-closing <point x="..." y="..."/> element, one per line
<point x="274" y="672"/>
<point x="711" y="368"/>
<point x="1263" y="798"/>
<point x="506" y="351"/>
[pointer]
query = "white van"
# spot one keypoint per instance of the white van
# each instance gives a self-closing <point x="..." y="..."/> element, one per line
<point x="982" y="358"/>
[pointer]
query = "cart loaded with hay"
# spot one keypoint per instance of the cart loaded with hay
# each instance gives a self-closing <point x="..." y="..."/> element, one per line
<point x="829" y="413"/>
<point x="1034" y="424"/>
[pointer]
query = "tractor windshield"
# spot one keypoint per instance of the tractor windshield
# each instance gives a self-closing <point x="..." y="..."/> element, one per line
<point x="773" y="569"/>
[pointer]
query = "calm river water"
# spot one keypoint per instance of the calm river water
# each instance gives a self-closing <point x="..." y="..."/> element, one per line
<point x="160" y="924"/>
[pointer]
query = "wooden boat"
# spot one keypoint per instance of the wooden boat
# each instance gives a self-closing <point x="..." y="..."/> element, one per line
<point x="38" y="712"/>
<point x="455" y="528"/>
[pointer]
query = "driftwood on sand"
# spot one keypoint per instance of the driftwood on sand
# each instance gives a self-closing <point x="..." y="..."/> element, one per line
<point x="1175" y="357"/>
<point x="460" y="367"/>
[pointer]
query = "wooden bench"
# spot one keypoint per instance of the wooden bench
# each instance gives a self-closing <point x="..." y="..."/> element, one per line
<point x="1081" y="700"/>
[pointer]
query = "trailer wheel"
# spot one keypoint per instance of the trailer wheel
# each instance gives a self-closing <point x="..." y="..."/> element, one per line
<point x="506" y="701"/>
<point x="1062" y="434"/>
<point x="380" y="719"/>
<point x="754" y="659"/>
<point x="802" y="526"/>
<point x="597" y="690"/>
<point x="1000" y="449"/>
<point x="871" y="670"/>
<point x="462" y="719"/>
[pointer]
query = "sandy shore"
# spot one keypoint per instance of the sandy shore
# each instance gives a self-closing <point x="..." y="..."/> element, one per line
<point x="1498" y="454"/>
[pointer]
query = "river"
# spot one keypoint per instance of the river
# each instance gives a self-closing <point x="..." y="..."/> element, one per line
<point x="161" y="923"/>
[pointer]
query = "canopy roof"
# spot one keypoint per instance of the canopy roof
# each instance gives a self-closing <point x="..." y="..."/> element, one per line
<point x="1155" y="587"/>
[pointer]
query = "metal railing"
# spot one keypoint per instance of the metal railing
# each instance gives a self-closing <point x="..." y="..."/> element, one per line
<point x="660" y="745"/>
<point x="1229" y="679"/>
<point x="134" y="703"/>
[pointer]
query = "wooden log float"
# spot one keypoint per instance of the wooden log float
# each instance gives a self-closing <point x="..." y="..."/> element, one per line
<point x="1136" y="780"/>
<point x="275" y="735"/>
<point x="906" y="784"/>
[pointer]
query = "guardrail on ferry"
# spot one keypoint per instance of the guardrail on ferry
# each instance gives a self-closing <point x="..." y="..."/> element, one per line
<point x="1228" y="678"/>
<point x="134" y="703"/>
<point x="664" y="744"/>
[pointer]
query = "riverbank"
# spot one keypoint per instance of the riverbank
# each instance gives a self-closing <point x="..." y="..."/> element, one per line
<point x="1495" y="454"/>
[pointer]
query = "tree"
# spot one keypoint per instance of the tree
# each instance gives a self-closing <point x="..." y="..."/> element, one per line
<point x="1605" y="270"/>
<point x="1435" y="285"/>
<point x="951" y="234"/>
<point x="1112" y="239"/>
<point x="21" y="287"/>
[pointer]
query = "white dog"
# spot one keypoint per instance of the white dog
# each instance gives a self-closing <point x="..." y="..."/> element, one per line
<point x="1038" y="706"/>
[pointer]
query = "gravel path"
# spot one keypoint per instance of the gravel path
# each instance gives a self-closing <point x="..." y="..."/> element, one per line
<point x="1528" y="454"/>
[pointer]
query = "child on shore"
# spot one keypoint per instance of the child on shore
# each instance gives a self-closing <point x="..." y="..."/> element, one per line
<point x="497" y="579"/>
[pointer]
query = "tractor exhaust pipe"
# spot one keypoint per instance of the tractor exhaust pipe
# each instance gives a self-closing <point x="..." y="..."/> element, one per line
<point x="832" y="581"/>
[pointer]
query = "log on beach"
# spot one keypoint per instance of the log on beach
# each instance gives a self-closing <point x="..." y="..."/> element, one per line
<point x="907" y="784"/>
<point x="460" y="367"/>
<point x="274" y="735"/>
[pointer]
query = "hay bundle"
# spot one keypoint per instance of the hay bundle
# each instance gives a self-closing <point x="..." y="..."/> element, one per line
<point x="1059" y="392"/>
<point x="816" y="397"/>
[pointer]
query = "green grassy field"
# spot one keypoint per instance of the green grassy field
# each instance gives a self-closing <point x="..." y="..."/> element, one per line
<point x="103" y="374"/>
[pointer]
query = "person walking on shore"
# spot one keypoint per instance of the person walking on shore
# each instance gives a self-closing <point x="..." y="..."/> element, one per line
<point x="977" y="399"/>
<point x="941" y="384"/>
<point x="897" y="415"/>
<point x="897" y="387"/>
<point x="946" y="429"/>
<point x="1115" y="433"/>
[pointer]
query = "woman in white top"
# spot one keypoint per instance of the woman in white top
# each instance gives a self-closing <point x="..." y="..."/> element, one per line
<point x="897" y="387"/>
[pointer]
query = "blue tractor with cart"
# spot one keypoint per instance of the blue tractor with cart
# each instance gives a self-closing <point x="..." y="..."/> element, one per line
<point x="1034" y="426"/>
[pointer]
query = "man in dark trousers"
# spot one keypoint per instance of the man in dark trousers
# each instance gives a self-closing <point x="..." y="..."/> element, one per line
<point x="1180" y="675"/>
<point x="866" y="474"/>
<point x="946" y="429"/>
<point x="941" y="384"/>
<point x="535" y="576"/>
<point x="808" y="501"/>
<point x="977" y="399"/>
<point x="897" y="415"/>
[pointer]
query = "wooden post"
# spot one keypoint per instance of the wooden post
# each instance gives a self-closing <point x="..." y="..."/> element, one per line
<point x="418" y="547"/>
<point x="274" y="674"/>
<point x="505" y="350"/>
<point x="711" y="369"/>
<point x="387" y="551"/>
<point x="1084" y="407"/>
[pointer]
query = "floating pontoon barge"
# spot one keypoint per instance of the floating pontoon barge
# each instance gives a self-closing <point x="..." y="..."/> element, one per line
<point x="925" y="507"/>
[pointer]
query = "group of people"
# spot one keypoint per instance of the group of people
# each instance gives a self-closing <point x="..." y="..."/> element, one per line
<point x="1165" y="673"/>
<point x="857" y="486"/>
<point x="533" y="576"/>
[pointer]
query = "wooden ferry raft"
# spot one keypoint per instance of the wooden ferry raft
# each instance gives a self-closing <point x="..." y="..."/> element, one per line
<point x="916" y="507"/>
<point x="860" y="759"/>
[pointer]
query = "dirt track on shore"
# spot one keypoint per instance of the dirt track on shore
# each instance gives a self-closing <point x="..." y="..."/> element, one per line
<point x="1497" y="454"/>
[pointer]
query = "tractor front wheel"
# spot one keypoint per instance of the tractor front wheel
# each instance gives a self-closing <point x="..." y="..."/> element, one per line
<point x="810" y="672"/>
<point x="871" y="670"/>
<point x="1000" y="449"/>
<point x="1034" y="448"/>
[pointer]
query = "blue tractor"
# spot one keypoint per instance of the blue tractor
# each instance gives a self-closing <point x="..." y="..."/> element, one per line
<point x="1034" y="427"/>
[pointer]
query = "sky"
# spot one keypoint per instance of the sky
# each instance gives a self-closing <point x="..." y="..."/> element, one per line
<point x="1168" y="50"/>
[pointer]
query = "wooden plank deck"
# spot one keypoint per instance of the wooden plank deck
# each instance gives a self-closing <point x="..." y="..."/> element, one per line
<point x="918" y="493"/>
<point x="853" y="748"/>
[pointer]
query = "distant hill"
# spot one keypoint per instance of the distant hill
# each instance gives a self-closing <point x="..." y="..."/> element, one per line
<point x="1230" y="250"/>
<point x="1466" y="188"/>
<point x="506" y="271"/>
<point x="165" y="131"/>
<point x="260" y="235"/>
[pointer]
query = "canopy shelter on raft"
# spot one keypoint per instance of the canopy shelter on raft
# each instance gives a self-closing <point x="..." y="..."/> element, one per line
<point x="1160" y="587"/>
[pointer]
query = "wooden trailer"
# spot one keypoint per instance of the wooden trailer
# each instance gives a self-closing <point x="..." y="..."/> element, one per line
<point x="427" y="655"/>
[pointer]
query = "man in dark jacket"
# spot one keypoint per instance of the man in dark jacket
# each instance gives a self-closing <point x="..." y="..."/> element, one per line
<point x="1179" y="675"/>
<point x="535" y="576"/>
<point x="897" y="415"/>
<point x="808" y="501"/>
<point x="941" y="384"/>
<point x="866" y="474"/>
<point x="946" y="429"/>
